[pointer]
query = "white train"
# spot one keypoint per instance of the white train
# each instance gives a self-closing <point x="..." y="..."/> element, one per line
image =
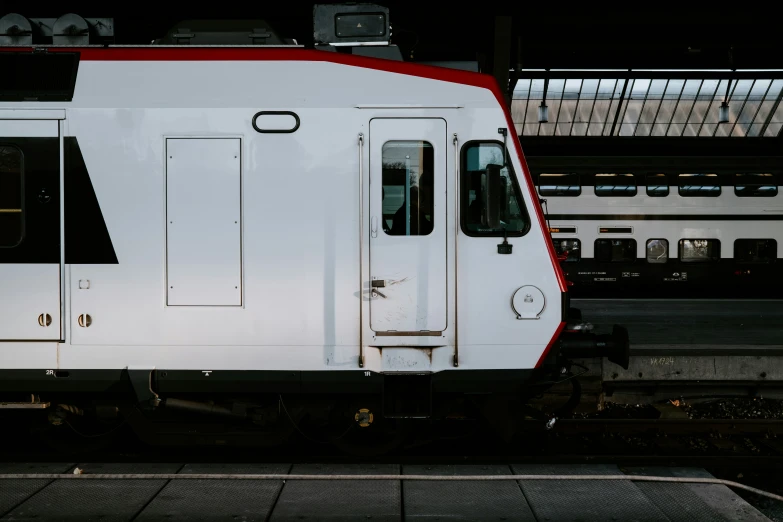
<point x="668" y="231"/>
<point x="259" y="224"/>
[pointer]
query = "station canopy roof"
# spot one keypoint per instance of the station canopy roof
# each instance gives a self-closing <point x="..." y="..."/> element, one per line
<point x="648" y="103"/>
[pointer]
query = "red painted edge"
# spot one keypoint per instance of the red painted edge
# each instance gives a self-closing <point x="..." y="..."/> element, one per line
<point x="277" y="54"/>
<point x="551" y="343"/>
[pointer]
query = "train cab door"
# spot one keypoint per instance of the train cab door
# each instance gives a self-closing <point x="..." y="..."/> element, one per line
<point x="30" y="229"/>
<point x="408" y="218"/>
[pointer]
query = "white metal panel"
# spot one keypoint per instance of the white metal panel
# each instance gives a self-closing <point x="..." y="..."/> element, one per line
<point x="28" y="291"/>
<point x="32" y="114"/>
<point x="29" y="128"/>
<point x="413" y="268"/>
<point x="300" y="275"/>
<point x="203" y="233"/>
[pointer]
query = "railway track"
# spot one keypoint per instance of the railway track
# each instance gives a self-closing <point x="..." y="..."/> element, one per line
<point x="772" y="427"/>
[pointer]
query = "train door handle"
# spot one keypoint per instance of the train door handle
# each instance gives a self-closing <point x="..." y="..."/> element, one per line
<point x="45" y="320"/>
<point x="375" y="284"/>
<point x="373" y="227"/>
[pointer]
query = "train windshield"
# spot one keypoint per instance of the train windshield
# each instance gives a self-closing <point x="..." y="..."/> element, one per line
<point x="508" y="214"/>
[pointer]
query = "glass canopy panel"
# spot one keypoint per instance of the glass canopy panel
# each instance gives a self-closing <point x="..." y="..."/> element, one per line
<point x="564" y="117"/>
<point x="651" y="107"/>
<point x="657" y="106"/>
<point x="635" y="96"/>
<point x="766" y="106"/>
<point x="700" y="107"/>
<point x="668" y="104"/>
<point x="751" y="107"/>
<point x="602" y="106"/>
<point x="682" y="110"/>
<point x="585" y="106"/>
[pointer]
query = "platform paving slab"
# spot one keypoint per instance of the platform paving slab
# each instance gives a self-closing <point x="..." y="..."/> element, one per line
<point x="207" y="500"/>
<point x="468" y="500"/>
<point x="588" y="500"/>
<point x="678" y="501"/>
<point x="11" y="495"/>
<point x="340" y="499"/>
<point x="94" y="500"/>
<point x="720" y="497"/>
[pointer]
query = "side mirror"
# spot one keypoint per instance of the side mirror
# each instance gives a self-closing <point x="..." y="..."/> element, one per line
<point x="493" y="194"/>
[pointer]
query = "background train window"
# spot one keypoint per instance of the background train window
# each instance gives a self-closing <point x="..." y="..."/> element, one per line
<point x="657" y="250"/>
<point x="11" y="208"/>
<point x="408" y="188"/>
<point x="485" y="169"/>
<point x="615" y="185"/>
<point x="699" y="250"/>
<point x="559" y="185"/>
<point x="615" y="250"/>
<point x="699" y="185"/>
<point x="657" y="185"/>
<point x="755" y="250"/>
<point x="755" y="185"/>
<point x="572" y="248"/>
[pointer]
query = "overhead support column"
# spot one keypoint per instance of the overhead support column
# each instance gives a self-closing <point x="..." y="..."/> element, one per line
<point x="502" y="55"/>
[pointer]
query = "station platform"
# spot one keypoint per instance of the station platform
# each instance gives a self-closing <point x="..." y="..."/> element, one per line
<point x="377" y="500"/>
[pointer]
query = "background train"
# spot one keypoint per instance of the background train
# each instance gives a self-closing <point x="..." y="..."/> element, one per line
<point x="692" y="227"/>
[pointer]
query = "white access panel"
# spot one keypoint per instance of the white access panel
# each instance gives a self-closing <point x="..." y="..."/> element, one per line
<point x="203" y="222"/>
<point x="30" y="302"/>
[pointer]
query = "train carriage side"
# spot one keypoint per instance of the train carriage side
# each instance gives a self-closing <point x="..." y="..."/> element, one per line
<point x="670" y="233"/>
<point x="267" y="221"/>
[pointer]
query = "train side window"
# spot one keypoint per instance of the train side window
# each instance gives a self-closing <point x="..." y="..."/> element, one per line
<point x="571" y="248"/>
<point x="615" y="250"/>
<point x="408" y="188"/>
<point x="475" y="218"/>
<point x="755" y="250"/>
<point x="699" y="250"/>
<point x="11" y="196"/>
<point x="657" y="185"/>
<point x="559" y="185"/>
<point x="699" y="185"/>
<point x="657" y="250"/>
<point x="615" y="185"/>
<point x="755" y="185"/>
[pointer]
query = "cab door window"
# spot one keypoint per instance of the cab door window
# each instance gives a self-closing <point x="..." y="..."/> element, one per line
<point x="408" y="190"/>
